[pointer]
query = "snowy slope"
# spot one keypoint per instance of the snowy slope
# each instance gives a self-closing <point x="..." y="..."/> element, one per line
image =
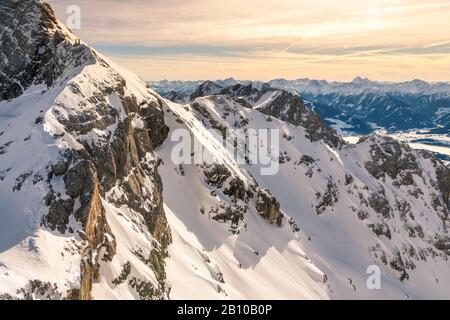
<point x="350" y="217"/>
<point x="257" y="260"/>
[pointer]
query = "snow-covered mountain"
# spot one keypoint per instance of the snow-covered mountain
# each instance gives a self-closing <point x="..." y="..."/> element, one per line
<point x="360" y="106"/>
<point x="185" y="88"/>
<point x="359" y="85"/>
<point x="366" y="105"/>
<point x="344" y="208"/>
<point x="94" y="206"/>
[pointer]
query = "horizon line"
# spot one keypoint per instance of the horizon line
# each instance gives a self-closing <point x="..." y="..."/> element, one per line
<point x="303" y="78"/>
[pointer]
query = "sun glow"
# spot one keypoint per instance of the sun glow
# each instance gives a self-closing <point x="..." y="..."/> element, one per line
<point x="375" y="19"/>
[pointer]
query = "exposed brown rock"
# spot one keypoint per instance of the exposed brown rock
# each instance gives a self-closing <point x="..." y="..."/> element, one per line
<point x="268" y="207"/>
<point x="216" y="175"/>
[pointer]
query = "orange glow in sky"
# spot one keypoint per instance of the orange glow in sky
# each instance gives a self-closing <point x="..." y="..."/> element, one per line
<point x="251" y="39"/>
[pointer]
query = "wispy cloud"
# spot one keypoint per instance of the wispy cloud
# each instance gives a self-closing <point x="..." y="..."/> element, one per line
<point x="402" y="9"/>
<point x="273" y="33"/>
<point x="437" y="44"/>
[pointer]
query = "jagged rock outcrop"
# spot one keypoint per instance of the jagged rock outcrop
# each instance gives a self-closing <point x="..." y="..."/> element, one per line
<point x="380" y="204"/>
<point x="290" y="108"/>
<point x="237" y="190"/>
<point x="29" y="60"/>
<point x="248" y="92"/>
<point x="328" y="198"/>
<point x="205" y="89"/>
<point x="443" y="177"/>
<point x="391" y="158"/>
<point x="216" y="175"/>
<point x="268" y="207"/>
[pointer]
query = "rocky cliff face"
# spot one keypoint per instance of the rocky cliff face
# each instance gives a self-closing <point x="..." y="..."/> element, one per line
<point x="105" y="127"/>
<point x="288" y="107"/>
<point x="31" y="54"/>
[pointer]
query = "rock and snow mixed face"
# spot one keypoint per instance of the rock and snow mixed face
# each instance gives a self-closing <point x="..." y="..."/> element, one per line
<point x="93" y="205"/>
<point x="80" y="193"/>
<point x="345" y="210"/>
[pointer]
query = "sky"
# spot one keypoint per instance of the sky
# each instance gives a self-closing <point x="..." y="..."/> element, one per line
<point x="392" y="40"/>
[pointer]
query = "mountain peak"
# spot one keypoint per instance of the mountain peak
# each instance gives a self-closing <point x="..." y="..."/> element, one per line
<point x="229" y="80"/>
<point x="419" y="82"/>
<point x="360" y="80"/>
<point x="36" y="59"/>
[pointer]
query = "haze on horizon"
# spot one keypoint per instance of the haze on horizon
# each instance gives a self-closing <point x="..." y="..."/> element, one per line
<point x="392" y="40"/>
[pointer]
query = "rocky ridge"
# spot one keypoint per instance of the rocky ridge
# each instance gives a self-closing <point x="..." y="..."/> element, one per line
<point x="105" y="126"/>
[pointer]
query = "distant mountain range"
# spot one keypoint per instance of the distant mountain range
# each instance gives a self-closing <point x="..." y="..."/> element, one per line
<point x="357" y="107"/>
